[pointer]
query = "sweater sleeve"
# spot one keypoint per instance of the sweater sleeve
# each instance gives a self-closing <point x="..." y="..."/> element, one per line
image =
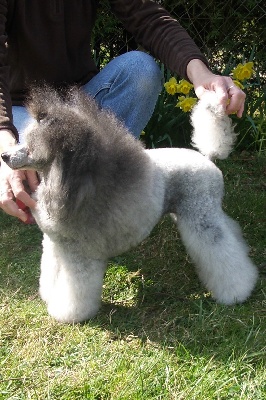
<point x="155" y="30"/>
<point x="5" y="98"/>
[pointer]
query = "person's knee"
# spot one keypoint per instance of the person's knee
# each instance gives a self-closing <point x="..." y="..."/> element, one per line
<point x="145" y="71"/>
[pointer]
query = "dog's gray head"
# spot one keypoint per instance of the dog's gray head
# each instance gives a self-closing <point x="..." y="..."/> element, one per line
<point x="66" y="127"/>
<point x="46" y="137"/>
<point x="59" y="123"/>
<point x="85" y="147"/>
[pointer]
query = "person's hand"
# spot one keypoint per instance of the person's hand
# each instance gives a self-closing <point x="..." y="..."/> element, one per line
<point x="230" y="96"/>
<point x="13" y="197"/>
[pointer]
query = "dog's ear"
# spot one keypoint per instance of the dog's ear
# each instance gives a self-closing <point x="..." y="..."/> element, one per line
<point x="42" y="101"/>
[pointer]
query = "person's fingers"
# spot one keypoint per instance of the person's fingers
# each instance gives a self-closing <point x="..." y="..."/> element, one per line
<point x="9" y="206"/>
<point x="236" y="102"/>
<point x="231" y="97"/>
<point x="25" y="198"/>
<point x="33" y="180"/>
<point x="241" y="110"/>
<point x="11" y="188"/>
<point x="218" y="85"/>
<point x="18" y="189"/>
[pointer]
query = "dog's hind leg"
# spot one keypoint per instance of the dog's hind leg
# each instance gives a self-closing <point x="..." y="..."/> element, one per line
<point x="70" y="283"/>
<point x="213" y="240"/>
<point x="216" y="246"/>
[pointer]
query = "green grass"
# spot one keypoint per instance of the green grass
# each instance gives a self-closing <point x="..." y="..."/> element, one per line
<point x="158" y="334"/>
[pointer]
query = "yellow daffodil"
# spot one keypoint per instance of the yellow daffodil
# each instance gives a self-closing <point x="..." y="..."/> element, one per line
<point x="184" y="87"/>
<point x="243" y="71"/>
<point x="171" y="86"/>
<point x="186" y="103"/>
<point x="238" y="84"/>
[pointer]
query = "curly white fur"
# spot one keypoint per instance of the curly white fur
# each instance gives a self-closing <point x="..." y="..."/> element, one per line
<point x="101" y="193"/>
<point x="213" y="133"/>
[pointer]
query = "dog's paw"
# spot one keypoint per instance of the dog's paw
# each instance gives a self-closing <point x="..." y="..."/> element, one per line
<point x="70" y="313"/>
<point x="236" y="289"/>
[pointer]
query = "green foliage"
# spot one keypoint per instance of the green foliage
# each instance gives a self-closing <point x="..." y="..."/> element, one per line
<point x="225" y="32"/>
<point x="170" y="126"/>
<point x="252" y="127"/>
<point x="109" y="38"/>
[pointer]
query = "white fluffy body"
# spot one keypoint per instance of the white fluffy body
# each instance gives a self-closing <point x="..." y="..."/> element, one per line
<point x="101" y="193"/>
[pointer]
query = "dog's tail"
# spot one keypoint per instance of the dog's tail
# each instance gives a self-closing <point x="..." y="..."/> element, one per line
<point x="213" y="131"/>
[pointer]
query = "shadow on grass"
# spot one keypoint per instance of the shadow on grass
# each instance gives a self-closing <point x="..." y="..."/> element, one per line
<point x="172" y="308"/>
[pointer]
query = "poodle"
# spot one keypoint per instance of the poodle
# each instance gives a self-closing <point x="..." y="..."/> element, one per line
<point x="101" y="193"/>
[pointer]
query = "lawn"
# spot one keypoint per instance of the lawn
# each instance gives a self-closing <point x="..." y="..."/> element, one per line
<point x="158" y="335"/>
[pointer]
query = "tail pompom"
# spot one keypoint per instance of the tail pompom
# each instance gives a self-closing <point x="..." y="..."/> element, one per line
<point x="213" y="131"/>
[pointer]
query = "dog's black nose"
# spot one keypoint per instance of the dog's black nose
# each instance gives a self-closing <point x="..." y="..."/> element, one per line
<point x="5" y="157"/>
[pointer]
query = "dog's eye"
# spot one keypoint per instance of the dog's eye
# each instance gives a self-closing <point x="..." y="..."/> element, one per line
<point x="41" y="117"/>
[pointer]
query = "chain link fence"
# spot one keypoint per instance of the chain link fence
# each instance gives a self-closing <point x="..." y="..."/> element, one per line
<point x="224" y="31"/>
<point x="229" y="28"/>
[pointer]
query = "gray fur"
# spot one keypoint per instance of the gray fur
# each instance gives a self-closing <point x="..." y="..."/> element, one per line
<point x="101" y="193"/>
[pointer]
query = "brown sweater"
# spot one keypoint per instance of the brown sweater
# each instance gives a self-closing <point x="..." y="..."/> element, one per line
<point x="49" y="40"/>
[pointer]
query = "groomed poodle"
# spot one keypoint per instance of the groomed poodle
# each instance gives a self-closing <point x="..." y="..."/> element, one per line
<point x="101" y="193"/>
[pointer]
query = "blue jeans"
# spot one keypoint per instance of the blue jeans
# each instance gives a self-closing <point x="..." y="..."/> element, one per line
<point x="128" y="86"/>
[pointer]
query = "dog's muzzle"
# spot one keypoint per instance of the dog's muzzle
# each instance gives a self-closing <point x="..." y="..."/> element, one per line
<point x="5" y="157"/>
<point x="16" y="158"/>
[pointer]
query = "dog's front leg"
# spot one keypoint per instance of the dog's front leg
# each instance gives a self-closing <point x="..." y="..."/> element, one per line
<point x="70" y="283"/>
